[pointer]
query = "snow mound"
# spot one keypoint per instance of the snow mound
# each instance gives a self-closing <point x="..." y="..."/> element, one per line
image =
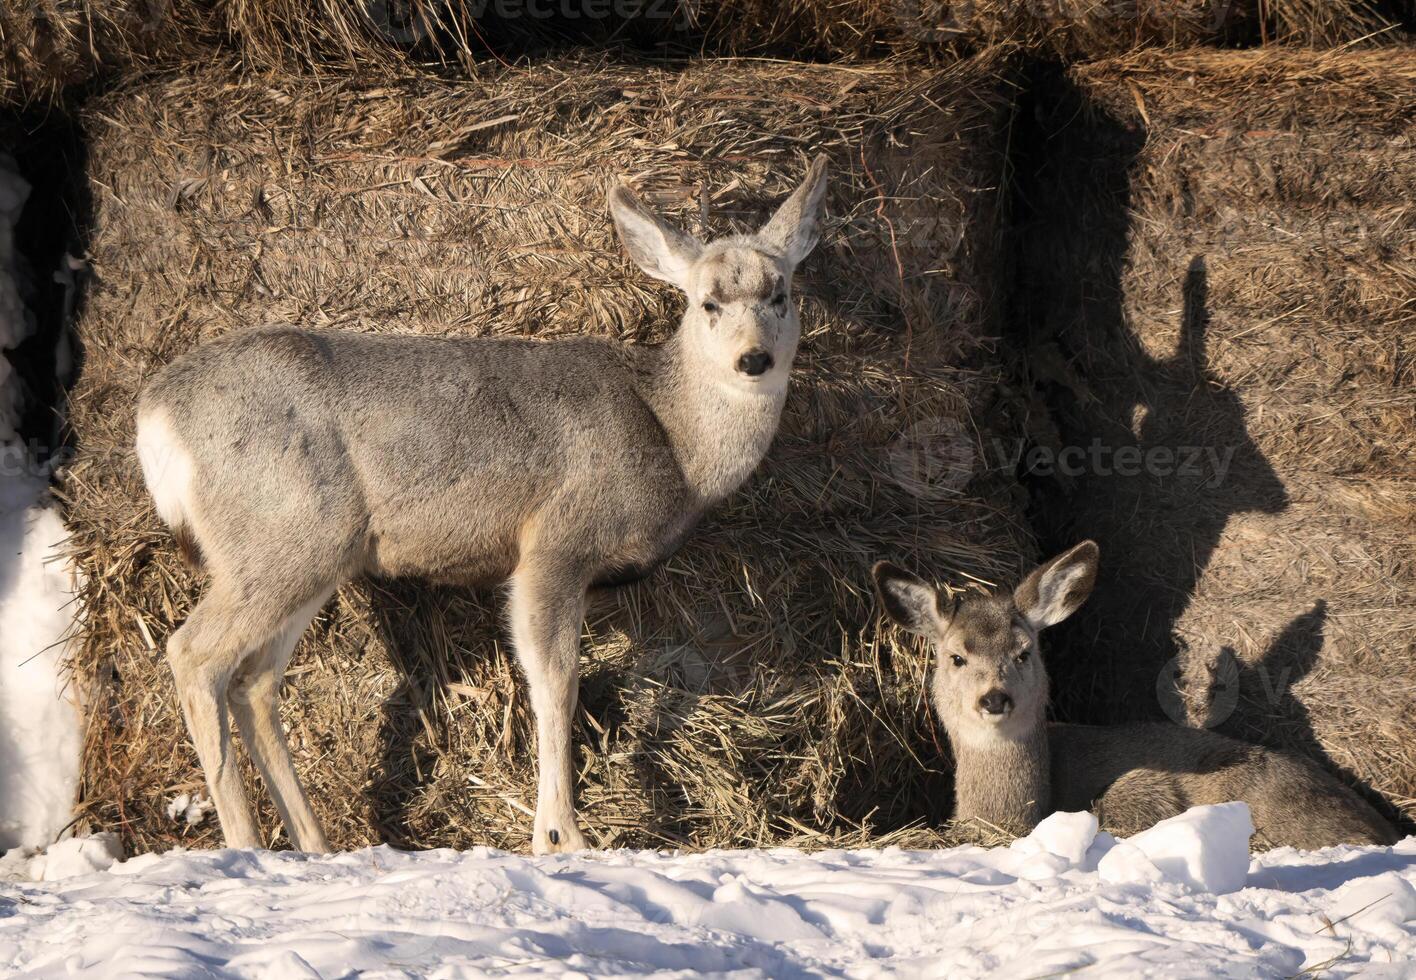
<point x="1059" y="843"/>
<point x="1205" y="848"/>
<point x="1384" y="904"/>
<point x="76" y="856"/>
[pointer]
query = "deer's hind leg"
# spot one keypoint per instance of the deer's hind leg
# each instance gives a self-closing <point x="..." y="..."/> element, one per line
<point x="205" y="654"/>
<point x="1138" y="800"/>
<point x="255" y="702"/>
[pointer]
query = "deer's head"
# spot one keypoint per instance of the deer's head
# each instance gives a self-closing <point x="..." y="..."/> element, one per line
<point x="989" y="680"/>
<point x="741" y="325"/>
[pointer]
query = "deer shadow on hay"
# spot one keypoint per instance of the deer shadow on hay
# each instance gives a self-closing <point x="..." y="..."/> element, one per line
<point x="439" y="639"/>
<point x="1255" y="700"/>
<point x="1148" y="455"/>
<point x="454" y="690"/>
<point x="1106" y="390"/>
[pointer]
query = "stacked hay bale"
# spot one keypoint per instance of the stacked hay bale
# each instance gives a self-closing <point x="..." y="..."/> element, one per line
<point x="740" y="696"/>
<point x="47" y="46"/>
<point x="1221" y="265"/>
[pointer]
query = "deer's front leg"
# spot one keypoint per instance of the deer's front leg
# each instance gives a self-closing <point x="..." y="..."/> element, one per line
<point x="547" y="609"/>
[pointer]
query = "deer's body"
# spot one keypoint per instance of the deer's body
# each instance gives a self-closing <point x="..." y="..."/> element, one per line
<point x="1133" y="776"/>
<point x="439" y="458"/>
<point x="1012" y="767"/>
<point x="290" y="461"/>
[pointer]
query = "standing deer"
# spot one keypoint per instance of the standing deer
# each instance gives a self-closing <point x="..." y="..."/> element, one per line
<point x="288" y="461"/>
<point x="1012" y="767"/>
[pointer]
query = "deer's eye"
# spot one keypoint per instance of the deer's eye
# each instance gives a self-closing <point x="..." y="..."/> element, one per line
<point x="780" y="300"/>
<point x="957" y="660"/>
<point x="1022" y="656"/>
<point x="709" y="306"/>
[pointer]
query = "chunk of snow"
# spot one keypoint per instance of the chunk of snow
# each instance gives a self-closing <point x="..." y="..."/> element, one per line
<point x="1067" y="835"/>
<point x="76" y="856"/>
<point x="1206" y="848"/>
<point x="1125" y="864"/>
<point x="1101" y="845"/>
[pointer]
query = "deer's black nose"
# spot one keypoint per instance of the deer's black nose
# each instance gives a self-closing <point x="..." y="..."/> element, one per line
<point x="995" y="703"/>
<point x="755" y="362"/>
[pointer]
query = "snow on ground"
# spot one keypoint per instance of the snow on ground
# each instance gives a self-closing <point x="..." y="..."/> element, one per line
<point x="1038" y="908"/>
<point x="39" y="725"/>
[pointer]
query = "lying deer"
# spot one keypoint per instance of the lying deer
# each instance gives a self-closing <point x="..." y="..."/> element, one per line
<point x="288" y="461"/>
<point x="1012" y="767"/>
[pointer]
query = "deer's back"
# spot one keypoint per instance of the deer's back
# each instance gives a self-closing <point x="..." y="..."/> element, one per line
<point x="438" y="457"/>
<point x="1135" y="775"/>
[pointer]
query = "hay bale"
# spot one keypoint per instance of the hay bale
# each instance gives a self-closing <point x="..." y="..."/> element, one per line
<point x="49" y="48"/>
<point x="1222" y="255"/>
<point x="741" y="695"/>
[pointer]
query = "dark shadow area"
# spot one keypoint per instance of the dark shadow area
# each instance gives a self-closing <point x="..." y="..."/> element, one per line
<point x="1149" y="457"/>
<point x="520" y="31"/>
<point x="409" y="722"/>
<point x="51" y="238"/>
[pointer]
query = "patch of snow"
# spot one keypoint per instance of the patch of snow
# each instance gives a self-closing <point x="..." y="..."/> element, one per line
<point x="39" y="724"/>
<point x="188" y="809"/>
<point x="965" y="912"/>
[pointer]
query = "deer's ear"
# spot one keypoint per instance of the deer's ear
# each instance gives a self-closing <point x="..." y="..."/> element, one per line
<point x="908" y="599"/>
<point x="656" y="247"/>
<point x="795" y="228"/>
<point x="1057" y="588"/>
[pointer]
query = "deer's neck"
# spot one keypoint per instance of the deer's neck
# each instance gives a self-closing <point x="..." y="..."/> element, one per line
<point x="1003" y="780"/>
<point x="719" y="432"/>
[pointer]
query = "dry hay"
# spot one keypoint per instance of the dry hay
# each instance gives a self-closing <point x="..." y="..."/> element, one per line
<point x="1094" y="28"/>
<point x="46" y="46"/>
<point x="1068" y="28"/>
<point x="1222" y="254"/>
<point x="743" y="694"/>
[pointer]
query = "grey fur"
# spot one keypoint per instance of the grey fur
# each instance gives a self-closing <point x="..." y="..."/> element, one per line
<point x="296" y="459"/>
<point x="1013" y="769"/>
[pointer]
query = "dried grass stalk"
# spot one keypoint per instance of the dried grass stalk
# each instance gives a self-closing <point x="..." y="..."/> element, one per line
<point x="742" y="695"/>
<point x="1227" y="260"/>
